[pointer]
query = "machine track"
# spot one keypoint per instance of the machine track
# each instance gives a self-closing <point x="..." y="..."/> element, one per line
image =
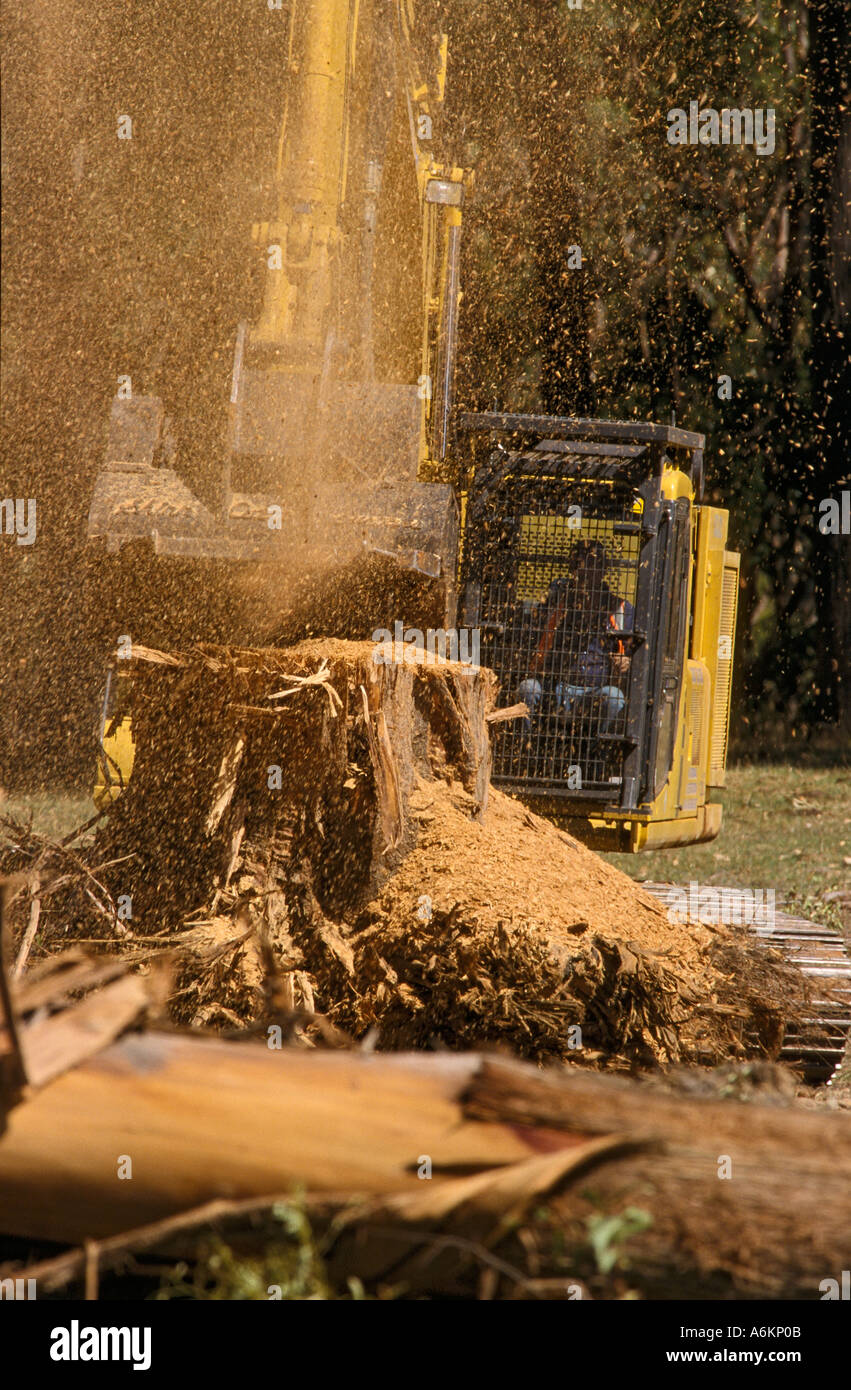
<point x="816" y="1046"/>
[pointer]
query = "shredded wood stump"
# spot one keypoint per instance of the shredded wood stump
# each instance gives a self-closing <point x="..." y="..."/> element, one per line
<point x="313" y="836"/>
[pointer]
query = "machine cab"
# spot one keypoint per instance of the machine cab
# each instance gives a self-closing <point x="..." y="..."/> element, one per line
<point x="605" y="598"/>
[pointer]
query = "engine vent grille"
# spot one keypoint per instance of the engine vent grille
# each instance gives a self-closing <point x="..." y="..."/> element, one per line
<point x="724" y="676"/>
<point x="697" y="711"/>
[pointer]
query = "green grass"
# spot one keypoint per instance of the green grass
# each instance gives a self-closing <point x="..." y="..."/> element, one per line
<point x="785" y="827"/>
<point x="54" y="814"/>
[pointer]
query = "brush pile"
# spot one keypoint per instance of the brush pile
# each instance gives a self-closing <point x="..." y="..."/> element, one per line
<point x="312" y="838"/>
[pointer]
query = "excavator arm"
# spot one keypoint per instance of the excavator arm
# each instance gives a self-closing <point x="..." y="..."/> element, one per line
<point x="329" y="449"/>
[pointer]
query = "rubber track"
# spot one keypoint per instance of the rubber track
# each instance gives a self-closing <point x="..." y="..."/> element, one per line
<point x="815" y="1047"/>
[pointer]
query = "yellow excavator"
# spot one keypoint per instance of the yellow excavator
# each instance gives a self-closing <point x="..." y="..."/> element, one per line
<point x="341" y="390"/>
<point x="580" y="553"/>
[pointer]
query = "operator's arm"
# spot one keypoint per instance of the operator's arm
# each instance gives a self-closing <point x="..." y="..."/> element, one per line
<point x="553" y="618"/>
<point x="621" y="621"/>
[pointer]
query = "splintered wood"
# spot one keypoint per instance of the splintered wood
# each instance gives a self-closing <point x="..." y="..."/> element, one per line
<point x="313" y="836"/>
<point x="521" y="1161"/>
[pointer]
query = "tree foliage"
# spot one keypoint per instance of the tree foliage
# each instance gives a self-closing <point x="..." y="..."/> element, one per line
<point x="699" y="262"/>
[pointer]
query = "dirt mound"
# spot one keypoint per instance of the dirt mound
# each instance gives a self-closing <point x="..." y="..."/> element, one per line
<point x="314" y="835"/>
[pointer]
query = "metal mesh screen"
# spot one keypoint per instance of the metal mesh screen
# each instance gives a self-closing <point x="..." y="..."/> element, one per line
<point x="720" y="714"/>
<point x="557" y="613"/>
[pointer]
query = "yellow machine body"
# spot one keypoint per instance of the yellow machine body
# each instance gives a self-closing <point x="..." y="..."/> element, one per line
<point x="359" y="72"/>
<point x="683" y="813"/>
<point x="642" y="777"/>
<point x="341" y="389"/>
<point x="116" y="748"/>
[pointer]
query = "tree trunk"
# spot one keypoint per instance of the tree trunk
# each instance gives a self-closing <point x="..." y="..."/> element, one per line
<point x="736" y="1201"/>
<point x="831" y="294"/>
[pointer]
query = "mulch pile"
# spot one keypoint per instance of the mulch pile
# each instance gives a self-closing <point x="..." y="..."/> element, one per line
<point x="313" y="839"/>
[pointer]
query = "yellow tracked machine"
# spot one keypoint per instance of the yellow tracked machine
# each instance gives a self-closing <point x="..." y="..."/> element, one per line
<point x="580" y="554"/>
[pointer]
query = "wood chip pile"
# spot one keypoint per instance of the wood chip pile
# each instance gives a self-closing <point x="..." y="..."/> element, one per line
<point x="311" y="837"/>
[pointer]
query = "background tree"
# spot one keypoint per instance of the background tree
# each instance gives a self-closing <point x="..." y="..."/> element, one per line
<point x="700" y="262"/>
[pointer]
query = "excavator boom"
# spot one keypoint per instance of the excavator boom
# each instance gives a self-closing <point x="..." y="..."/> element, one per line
<point x="333" y="445"/>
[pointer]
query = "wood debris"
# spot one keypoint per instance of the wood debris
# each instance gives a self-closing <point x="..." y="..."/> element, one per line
<point x="344" y="856"/>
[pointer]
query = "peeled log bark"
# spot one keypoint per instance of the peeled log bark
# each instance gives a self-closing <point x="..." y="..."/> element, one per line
<point x="205" y="1119"/>
<point x="775" y="1228"/>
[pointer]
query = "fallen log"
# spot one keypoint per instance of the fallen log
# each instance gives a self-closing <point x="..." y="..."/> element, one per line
<point x="736" y="1200"/>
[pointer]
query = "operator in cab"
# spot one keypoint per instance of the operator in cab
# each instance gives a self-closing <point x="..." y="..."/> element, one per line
<point x="578" y="664"/>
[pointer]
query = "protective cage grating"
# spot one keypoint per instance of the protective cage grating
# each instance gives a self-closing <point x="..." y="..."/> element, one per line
<point x="559" y="563"/>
